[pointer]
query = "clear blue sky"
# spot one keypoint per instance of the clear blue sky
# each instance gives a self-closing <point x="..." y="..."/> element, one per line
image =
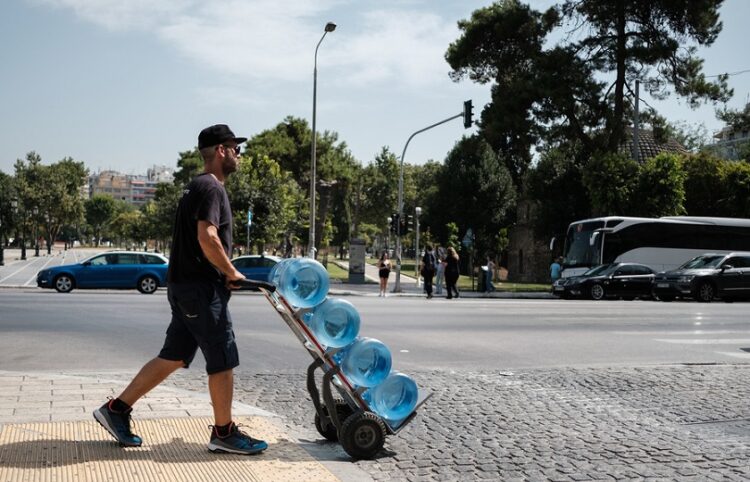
<point x="126" y="84"/>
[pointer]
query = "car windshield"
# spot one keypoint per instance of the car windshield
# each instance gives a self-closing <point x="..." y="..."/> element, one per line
<point x="702" y="262"/>
<point x="596" y="270"/>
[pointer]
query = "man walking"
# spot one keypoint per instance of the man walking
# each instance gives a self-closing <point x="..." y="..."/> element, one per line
<point x="200" y="278"/>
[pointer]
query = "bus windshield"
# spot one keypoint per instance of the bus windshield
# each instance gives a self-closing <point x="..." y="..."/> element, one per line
<point x="578" y="248"/>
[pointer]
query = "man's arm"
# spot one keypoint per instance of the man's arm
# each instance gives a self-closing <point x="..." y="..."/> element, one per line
<point x="208" y="238"/>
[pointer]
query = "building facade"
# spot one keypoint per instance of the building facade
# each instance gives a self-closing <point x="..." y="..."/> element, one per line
<point x="136" y="190"/>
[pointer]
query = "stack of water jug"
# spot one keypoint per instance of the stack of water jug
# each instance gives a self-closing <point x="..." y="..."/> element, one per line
<point x="366" y="362"/>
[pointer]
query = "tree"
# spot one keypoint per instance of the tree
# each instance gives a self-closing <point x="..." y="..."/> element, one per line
<point x="737" y="203"/>
<point x="271" y="194"/>
<point x="189" y="164"/>
<point x="705" y="184"/>
<point x="60" y="201"/>
<point x="611" y="180"/>
<point x="577" y="88"/>
<point x="660" y="190"/>
<point x="100" y="209"/>
<point x="476" y="191"/>
<point x="556" y="185"/>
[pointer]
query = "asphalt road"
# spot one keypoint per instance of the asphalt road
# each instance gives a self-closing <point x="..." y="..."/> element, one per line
<point x="105" y="330"/>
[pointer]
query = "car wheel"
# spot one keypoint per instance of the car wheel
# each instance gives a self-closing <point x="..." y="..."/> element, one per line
<point x="64" y="283"/>
<point x="148" y="285"/>
<point x="705" y="292"/>
<point x="597" y="292"/>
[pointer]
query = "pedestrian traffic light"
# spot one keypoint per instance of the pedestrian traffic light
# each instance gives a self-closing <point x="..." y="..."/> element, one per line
<point x="468" y="113"/>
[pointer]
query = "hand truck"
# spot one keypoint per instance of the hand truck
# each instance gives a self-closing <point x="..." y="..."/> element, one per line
<point x="344" y="417"/>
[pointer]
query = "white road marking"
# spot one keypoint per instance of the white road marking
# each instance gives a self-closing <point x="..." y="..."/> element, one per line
<point x="737" y="354"/>
<point x="705" y="341"/>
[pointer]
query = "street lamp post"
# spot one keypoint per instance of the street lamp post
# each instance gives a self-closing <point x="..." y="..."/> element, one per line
<point x="388" y="239"/>
<point x="36" y="232"/>
<point x="417" y="211"/>
<point x="2" y="240"/>
<point x="330" y="27"/>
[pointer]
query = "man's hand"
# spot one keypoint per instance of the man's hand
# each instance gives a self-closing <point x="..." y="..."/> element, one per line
<point x="232" y="279"/>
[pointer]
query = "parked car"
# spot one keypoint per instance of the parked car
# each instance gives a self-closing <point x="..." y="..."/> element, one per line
<point x="114" y="269"/>
<point x="561" y="287"/>
<point x="616" y="280"/>
<point x="706" y="277"/>
<point x="255" y="266"/>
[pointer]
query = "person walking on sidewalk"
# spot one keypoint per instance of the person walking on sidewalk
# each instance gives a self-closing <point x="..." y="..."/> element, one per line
<point x="428" y="269"/>
<point x="384" y="271"/>
<point x="439" y="270"/>
<point x="199" y="281"/>
<point x="451" y="273"/>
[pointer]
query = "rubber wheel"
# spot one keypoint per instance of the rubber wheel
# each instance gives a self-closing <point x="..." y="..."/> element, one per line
<point x="597" y="292"/>
<point x="64" y="283"/>
<point x="362" y="435"/>
<point x="147" y="285"/>
<point x="705" y="292"/>
<point x="343" y="410"/>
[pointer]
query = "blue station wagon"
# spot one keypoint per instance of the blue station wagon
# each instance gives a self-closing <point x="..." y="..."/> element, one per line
<point x="114" y="270"/>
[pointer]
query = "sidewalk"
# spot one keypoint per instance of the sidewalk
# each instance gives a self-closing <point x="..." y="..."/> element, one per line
<point x="47" y="432"/>
<point x="409" y="287"/>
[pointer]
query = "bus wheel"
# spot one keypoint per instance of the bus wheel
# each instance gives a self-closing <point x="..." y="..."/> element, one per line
<point x="705" y="292"/>
<point x="597" y="292"/>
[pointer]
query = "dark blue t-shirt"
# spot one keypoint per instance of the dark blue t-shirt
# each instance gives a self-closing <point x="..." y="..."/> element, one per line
<point x="204" y="199"/>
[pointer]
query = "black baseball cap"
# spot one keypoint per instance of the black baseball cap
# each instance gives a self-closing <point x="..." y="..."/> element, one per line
<point x="217" y="134"/>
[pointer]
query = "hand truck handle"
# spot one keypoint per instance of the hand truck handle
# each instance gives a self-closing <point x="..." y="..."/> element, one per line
<point x="249" y="283"/>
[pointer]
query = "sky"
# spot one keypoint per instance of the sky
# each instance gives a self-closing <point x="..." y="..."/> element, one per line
<point x="128" y="84"/>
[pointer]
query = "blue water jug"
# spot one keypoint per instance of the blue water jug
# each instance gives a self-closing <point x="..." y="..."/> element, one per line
<point x="394" y="399"/>
<point x="365" y="362"/>
<point x="278" y="268"/>
<point x="303" y="282"/>
<point x="335" y="323"/>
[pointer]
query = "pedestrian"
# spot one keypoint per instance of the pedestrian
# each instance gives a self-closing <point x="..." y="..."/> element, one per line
<point x="439" y="270"/>
<point x="428" y="269"/>
<point x="555" y="269"/>
<point x="384" y="271"/>
<point x="451" y="273"/>
<point x="199" y="281"/>
<point x="488" y="286"/>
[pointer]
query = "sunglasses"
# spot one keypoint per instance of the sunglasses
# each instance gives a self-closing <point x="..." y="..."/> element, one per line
<point x="236" y="149"/>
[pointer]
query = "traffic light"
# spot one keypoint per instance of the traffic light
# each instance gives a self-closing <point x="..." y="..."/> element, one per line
<point x="406" y="224"/>
<point x="468" y="113"/>
<point x="394" y="223"/>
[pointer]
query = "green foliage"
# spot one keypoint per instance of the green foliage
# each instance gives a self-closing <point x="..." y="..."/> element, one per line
<point x="99" y="209"/>
<point x="451" y="235"/>
<point x="556" y="185"/>
<point x="189" y="164"/>
<point x="270" y="193"/>
<point x="737" y="203"/>
<point x="478" y="192"/>
<point x="705" y="184"/>
<point x="660" y="190"/>
<point x="576" y="89"/>
<point x="611" y="180"/>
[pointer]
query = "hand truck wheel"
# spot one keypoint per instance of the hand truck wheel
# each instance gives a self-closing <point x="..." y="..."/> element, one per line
<point x="362" y="435"/>
<point x="343" y="410"/>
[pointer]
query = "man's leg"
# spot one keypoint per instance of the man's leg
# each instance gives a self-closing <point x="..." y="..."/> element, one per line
<point x="152" y="374"/>
<point x="221" y="387"/>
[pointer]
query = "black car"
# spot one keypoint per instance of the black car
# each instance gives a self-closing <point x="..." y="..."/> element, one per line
<point x="706" y="277"/>
<point x="616" y="280"/>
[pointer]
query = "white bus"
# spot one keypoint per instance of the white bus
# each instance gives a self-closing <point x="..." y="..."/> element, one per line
<point x="660" y="243"/>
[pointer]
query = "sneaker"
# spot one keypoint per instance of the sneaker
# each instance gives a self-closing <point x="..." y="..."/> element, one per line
<point x="118" y="424"/>
<point x="237" y="442"/>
